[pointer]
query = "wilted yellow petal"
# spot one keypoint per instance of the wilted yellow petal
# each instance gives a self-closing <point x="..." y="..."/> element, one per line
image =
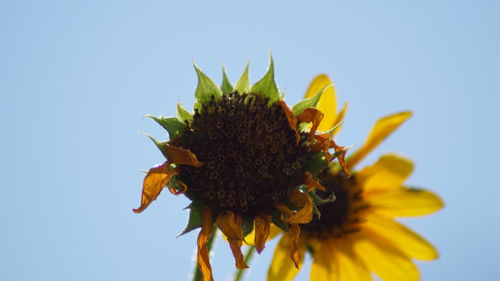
<point x="154" y="182"/>
<point x="179" y="155"/>
<point x="402" y="237"/>
<point x="404" y="202"/>
<point x="382" y="129"/>
<point x="262" y="231"/>
<point x="311" y="183"/>
<point x="302" y="201"/>
<point x="273" y="232"/>
<point x="282" y="268"/>
<point x="231" y="225"/>
<point x="388" y="173"/>
<point x="381" y="257"/>
<point x="294" y="232"/>
<point x="328" y="101"/>
<point x="325" y="263"/>
<point x="313" y="115"/>
<point x="203" y="237"/>
<point x="350" y="266"/>
<point x="292" y="120"/>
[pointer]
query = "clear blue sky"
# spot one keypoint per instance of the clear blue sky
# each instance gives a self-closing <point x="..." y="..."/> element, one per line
<point x="76" y="77"/>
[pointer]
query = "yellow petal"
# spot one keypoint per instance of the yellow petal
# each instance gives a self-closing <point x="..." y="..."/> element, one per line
<point x="262" y="231"/>
<point x="339" y="119"/>
<point x="381" y="257"/>
<point x="325" y="264"/>
<point x="203" y="237"/>
<point x="328" y="101"/>
<point x="313" y="115"/>
<point x="294" y="231"/>
<point x="231" y="225"/>
<point x="179" y="155"/>
<point x="282" y="268"/>
<point x="402" y="237"/>
<point x="350" y="266"/>
<point x="388" y="173"/>
<point x="302" y="201"/>
<point x="404" y="202"/>
<point x="154" y="182"/>
<point x="382" y="129"/>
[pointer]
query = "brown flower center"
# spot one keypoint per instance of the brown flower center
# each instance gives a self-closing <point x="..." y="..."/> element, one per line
<point x="251" y="159"/>
<point x="341" y="216"/>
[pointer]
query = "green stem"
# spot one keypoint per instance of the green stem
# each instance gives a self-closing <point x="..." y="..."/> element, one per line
<point x="248" y="256"/>
<point x="197" y="273"/>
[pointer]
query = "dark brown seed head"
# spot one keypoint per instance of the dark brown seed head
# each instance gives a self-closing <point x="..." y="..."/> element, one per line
<point x="250" y="156"/>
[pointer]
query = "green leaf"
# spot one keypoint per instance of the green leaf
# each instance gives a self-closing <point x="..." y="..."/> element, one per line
<point x="247" y="225"/>
<point x="267" y="86"/>
<point x="243" y="84"/>
<point x="161" y="145"/>
<point x="310" y="102"/>
<point x="172" y="125"/>
<point x="226" y="86"/>
<point x="195" y="219"/>
<point x="206" y="87"/>
<point x="183" y="114"/>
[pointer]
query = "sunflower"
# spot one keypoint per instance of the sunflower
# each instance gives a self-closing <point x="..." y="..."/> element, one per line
<point x="357" y="233"/>
<point x="246" y="160"/>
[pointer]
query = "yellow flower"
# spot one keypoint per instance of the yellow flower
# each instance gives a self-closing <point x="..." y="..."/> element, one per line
<point x="245" y="159"/>
<point x="357" y="233"/>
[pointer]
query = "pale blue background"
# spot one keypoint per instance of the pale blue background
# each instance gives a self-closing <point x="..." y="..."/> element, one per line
<point x="76" y="77"/>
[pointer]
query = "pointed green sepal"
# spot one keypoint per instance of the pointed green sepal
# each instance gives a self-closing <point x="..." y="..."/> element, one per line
<point x="162" y="146"/>
<point x="243" y="84"/>
<point x="267" y="86"/>
<point x="206" y="87"/>
<point x="183" y="114"/>
<point x="195" y="218"/>
<point x="310" y="102"/>
<point x="173" y="126"/>
<point x="226" y="86"/>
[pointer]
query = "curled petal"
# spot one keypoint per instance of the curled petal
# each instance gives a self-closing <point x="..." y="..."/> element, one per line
<point x="262" y="230"/>
<point x="313" y="115"/>
<point x="311" y="183"/>
<point x="302" y="201"/>
<point x="203" y="237"/>
<point x="292" y="120"/>
<point x="231" y="225"/>
<point x="179" y="155"/>
<point x="156" y="179"/>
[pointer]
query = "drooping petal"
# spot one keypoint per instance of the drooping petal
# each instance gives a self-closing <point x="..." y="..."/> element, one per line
<point x="292" y="120"/>
<point x="154" y="182"/>
<point x="311" y="115"/>
<point x="294" y="232"/>
<point x="311" y="183"/>
<point x="389" y="263"/>
<point x="388" y="173"/>
<point x="203" y="237"/>
<point x="382" y="129"/>
<point x="262" y="231"/>
<point x="328" y="101"/>
<point x="350" y="266"/>
<point x="325" y="263"/>
<point x="404" y="202"/>
<point x="282" y="268"/>
<point x="231" y="225"/>
<point x="273" y="232"/>
<point x="402" y="237"/>
<point x="179" y="155"/>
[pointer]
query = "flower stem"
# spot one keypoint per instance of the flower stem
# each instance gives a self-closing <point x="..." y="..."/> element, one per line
<point x="248" y="256"/>
<point x="197" y="273"/>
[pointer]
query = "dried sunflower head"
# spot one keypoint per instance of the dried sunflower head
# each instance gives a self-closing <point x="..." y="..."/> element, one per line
<point x="246" y="160"/>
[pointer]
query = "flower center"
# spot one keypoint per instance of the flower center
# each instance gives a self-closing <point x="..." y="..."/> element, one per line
<point x="251" y="159"/>
<point x="341" y="216"/>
